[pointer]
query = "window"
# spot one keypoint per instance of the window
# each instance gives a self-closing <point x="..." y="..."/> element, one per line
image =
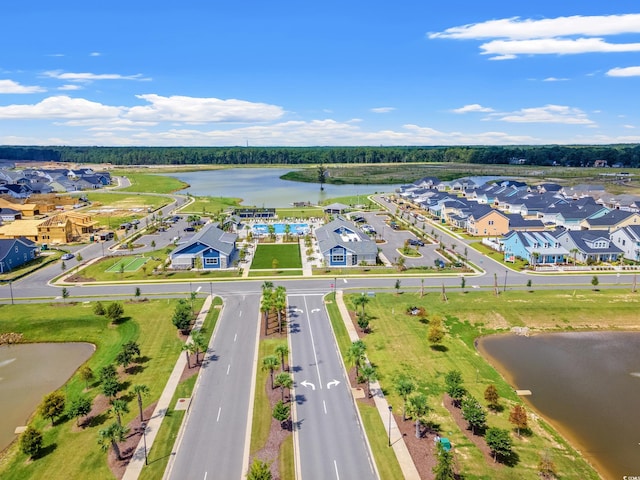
<point x="211" y="261"/>
<point x="354" y="259"/>
<point x="490" y="222"/>
<point x="337" y="258"/>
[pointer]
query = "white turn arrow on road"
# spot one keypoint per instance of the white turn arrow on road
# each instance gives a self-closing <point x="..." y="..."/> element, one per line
<point x="308" y="384"/>
<point x="333" y="383"/>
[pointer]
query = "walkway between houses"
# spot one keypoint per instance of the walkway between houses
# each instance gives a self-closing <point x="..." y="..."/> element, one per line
<point x="409" y="470"/>
<point x="134" y="468"/>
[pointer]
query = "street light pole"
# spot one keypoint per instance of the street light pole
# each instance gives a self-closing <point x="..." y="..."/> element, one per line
<point x="144" y="440"/>
<point x="505" y="280"/>
<point x="390" y="410"/>
<point x="11" y="290"/>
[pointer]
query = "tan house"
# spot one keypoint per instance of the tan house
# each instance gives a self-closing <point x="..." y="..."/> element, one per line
<point x="485" y="221"/>
<point x="21" y="228"/>
<point x="28" y="210"/>
<point x="611" y="221"/>
<point x="65" y="227"/>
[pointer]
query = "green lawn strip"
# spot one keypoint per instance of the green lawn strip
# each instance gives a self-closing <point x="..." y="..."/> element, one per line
<point x="398" y="345"/>
<point x="287" y="460"/>
<point x="275" y="273"/>
<point x="261" y="407"/>
<point x="287" y="255"/>
<point x="149" y="183"/>
<point x="384" y="456"/>
<point x="210" y="205"/>
<point x="299" y="212"/>
<point x="339" y="272"/>
<point x="148" y="323"/>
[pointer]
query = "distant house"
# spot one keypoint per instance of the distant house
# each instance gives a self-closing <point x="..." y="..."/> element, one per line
<point x="210" y="248"/>
<point x="589" y="245"/>
<point x="342" y="244"/>
<point x="9" y="214"/>
<point x="628" y="240"/>
<point x="15" y="252"/>
<point x="534" y="247"/>
<point x="611" y="221"/>
<point x="335" y="208"/>
<point x="486" y="221"/>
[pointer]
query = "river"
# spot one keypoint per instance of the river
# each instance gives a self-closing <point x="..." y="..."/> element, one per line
<point x="587" y="384"/>
<point x="262" y="187"/>
<point x="30" y="371"/>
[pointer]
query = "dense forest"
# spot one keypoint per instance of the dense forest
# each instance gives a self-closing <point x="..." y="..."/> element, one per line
<point x="572" y="156"/>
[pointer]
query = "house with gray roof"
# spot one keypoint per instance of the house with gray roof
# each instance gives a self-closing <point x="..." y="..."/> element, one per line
<point x="589" y="245"/>
<point x="343" y="244"/>
<point x="210" y="248"/>
<point x="611" y="221"/>
<point x="628" y="240"/>
<point x="534" y="247"/>
<point x="15" y="252"/>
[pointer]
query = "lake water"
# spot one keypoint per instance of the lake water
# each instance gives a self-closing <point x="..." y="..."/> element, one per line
<point x="262" y="187"/>
<point x="587" y="384"/>
<point x="28" y="372"/>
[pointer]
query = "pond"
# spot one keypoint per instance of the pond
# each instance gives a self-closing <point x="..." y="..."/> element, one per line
<point x="262" y="187"/>
<point x="28" y="372"/>
<point x="587" y="384"/>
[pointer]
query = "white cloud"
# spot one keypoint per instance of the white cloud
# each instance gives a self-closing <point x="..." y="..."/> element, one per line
<point x="60" y="107"/>
<point x="382" y="109"/>
<point x="517" y="28"/>
<point x="555" y="79"/>
<point x="9" y="86"/>
<point x="95" y="54"/>
<point x="556" y="46"/>
<point x="90" y="77"/>
<point x="475" y="107"/>
<point x="70" y="86"/>
<point x="624" y="72"/>
<point x="203" y="110"/>
<point x="546" y="114"/>
<point x="629" y="126"/>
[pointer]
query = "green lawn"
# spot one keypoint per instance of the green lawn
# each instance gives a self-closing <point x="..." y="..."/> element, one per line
<point x="261" y="423"/>
<point x="148" y="323"/>
<point x="210" y="205"/>
<point x="149" y="183"/>
<point x="137" y="205"/>
<point x="288" y="256"/>
<point x="298" y="212"/>
<point x="398" y="345"/>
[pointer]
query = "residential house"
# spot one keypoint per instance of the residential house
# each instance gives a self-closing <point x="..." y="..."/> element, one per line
<point x="335" y="208"/>
<point x="15" y="252"/>
<point x="589" y="246"/>
<point x="486" y="221"/>
<point x="210" y="248"/>
<point x="341" y="243"/>
<point x="534" y="247"/>
<point x="611" y="221"/>
<point x="9" y="214"/>
<point x="520" y="224"/>
<point x="628" y="240"/>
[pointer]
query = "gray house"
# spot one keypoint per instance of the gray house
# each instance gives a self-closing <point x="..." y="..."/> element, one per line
<point x="342" y="244"/>
<point x="210" y="248"/>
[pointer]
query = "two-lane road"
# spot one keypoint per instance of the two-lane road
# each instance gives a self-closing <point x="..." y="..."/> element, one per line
<point x="330" y="438"/>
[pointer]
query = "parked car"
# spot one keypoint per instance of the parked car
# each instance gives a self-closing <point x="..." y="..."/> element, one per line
<point x="189" y="229"/>
<point x="67" y="256"/>
<point x="415" y="242"/>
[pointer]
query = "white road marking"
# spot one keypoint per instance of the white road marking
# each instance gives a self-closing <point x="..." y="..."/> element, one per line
<point x="240" y="313"/>
<point x="313" y="344"/>
<point x="325" y="407"/>
<point x="197" y="290"/>
<point x="205" y="475"/>
<point x="235" y="337"/>
<point x="219" y="410"/>
<point x="228" y="368"/>
<point x="345" y="280"/>
<point x="335" y="464"/>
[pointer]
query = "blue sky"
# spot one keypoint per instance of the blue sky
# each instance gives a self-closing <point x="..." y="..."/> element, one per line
<point x="284" y="73"/>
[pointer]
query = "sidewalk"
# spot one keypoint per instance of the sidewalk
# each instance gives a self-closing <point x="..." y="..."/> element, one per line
<point x="153" y="424"/>
<point x="407" y="466"/>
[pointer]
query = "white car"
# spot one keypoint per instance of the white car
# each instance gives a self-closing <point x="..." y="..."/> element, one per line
<point x="67" y="256"/>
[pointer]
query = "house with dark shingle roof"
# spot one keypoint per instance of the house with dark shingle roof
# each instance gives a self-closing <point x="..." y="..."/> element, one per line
<point x="486" y="221"/>
<point x="534" y="247"/>
<point x="210" y="248"/>
<point x="343" y="244"/>
<point x="15" y="252"/>
<point x="589" y="245"/>
<point x="611" y="221"/>
<point x="628" y="240"/>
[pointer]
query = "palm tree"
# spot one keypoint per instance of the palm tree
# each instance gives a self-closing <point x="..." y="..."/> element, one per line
<point x="418" y="408"/>
<point x="119" y="406"/>
<point x="188" y="348"/>
<point x="574" y="253"/>
<point x="404" y="386"/>
<point x="199" y="343"/>
<point x="270" y="362"/>
<point x="369" y="375"/>
<point x="140" y="390"/>
<point x="355" y="354"/>
<point x="283" y="350"/>
<point x="110" y="436"/>
<point x="266" y="306"/>
<point x="287" y="231"/>
<point x="361" y="301"/>
<point x="280" y="304"/>
<point x="283" y="380"/>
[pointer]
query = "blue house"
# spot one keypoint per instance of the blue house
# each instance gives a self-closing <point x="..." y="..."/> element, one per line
<point x="342" y="244"/>
<point x="535" y="247"/>
<point x="210" y="248"/>
<point x="15" y="252"/>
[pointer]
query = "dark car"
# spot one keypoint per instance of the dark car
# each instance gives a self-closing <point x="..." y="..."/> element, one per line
<point x="414" y="242"/>
<point x="189" y="229"/>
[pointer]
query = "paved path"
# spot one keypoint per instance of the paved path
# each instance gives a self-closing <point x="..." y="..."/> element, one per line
<point x="153" y="424"/>
<point x="407" y="466"/>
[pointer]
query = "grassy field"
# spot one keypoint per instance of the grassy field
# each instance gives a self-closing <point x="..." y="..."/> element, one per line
<point x="210" y="205"/>
<point x="148" y="323"/>
<point x="297" y="212"/>
<point x="261" y="407"/>
<point x="149" y="183"/>
<point x="125" y="207"/>
<point x="288" y="256"/>
<point x="398" y="345"/>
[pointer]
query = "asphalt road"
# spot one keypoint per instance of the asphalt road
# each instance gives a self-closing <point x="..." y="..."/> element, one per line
<point x="213" y="441"/>
<point x="331" y="442"/>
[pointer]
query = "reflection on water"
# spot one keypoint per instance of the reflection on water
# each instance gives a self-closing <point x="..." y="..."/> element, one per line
<point x="585" y="383"/>
<point x="30" y="371"/>
<point x="262" y="187"/>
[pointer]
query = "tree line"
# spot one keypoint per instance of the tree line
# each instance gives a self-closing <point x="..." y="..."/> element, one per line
<point x="625" y="155"/>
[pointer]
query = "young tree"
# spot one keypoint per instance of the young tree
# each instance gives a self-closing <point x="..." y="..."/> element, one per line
<point x="281" y="412"/>
<point x="270" y="363"/>
<point x="119" y="406"/>
<point x="259" y="471"/>
<point x="547" y="467"/>
<point x="124" y="358"/>
<point x="111" y="436"/>
<point x="361" y="301"/>
<point x="369" y="374"/>
<point x="98" y="309"/>
<point x="187" y="348"/>
<point x="356" y="355"/>
<point x="136" y="293"/>
<point x="182" y="316"/>
<point x="52" y="406"/>
<point x="140" y="391"/>
<point x="65" y="294"/>
<point x="499" y="441"/>
<point x="115" y="312"/>
<point x="31" y="442"/>
<point x="363" y="323"/>
<point x="417" y="408"/>
<point x="443" y="469"/>
<point x="322" y="175"/>
<point x="79" y="407"/>
<point x="404" y="386"/>
<point x="284" y="381"/>
<point x="436" y="331"/>
<point x="397" y="286"/>
<point x="280" y="304"/>
<point x="595" y="282"/>
<point x="492" y="397"/>
<point x="107" y="372"/>
<point x="453" y="386"/>
<point x="282" y="349"/>
<point x="86" y="375"/>
<point x="518" y="417"/>
<point x="474" y="414"/>
<point x="200" y="343"/>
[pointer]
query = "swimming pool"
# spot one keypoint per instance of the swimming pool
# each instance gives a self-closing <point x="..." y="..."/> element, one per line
<point x="295" y="228"/>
